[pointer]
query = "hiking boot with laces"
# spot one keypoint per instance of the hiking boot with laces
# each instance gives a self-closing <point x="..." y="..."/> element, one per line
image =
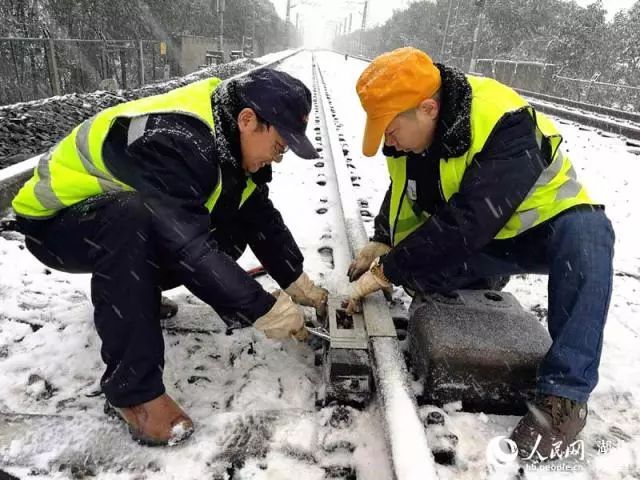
<point x="549" y="428"/>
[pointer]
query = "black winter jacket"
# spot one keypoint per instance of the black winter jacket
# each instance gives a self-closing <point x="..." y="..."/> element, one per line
<point x="493" y="186"/>
<point x="176" y="164"/>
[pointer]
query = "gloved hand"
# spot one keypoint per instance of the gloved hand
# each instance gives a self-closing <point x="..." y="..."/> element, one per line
<point x="304" y="292"/>
<point x="284" y="320"/>
<point x="365" y="256"/>
<point x="367" y="284"/>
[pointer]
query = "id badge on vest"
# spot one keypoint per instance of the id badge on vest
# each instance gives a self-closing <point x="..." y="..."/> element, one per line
<point x="412" y="190"/>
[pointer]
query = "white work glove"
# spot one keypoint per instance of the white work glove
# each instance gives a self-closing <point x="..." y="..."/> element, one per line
<point x="365" y="256"/>
<point x="370" y="282"/>
<point x="304" y="292"/>
<point x="284" y="320"/>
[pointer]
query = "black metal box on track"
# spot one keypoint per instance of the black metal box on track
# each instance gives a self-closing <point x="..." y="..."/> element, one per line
<point x="478" y="347"/>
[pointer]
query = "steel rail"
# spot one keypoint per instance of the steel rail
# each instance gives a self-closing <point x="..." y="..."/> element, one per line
<point x="408" y="448"/>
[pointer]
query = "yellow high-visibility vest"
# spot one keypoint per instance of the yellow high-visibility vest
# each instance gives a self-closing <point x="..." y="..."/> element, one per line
<point x="74" y="170"/>
<point x="556" y="190"/>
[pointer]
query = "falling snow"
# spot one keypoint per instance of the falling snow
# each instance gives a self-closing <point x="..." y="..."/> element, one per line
<point x="248" y="393"/>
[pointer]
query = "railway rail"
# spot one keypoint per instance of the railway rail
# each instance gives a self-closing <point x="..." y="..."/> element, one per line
<point x="374" y="330"/>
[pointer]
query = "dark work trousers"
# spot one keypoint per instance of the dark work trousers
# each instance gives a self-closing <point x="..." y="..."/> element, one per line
<point x="575" y="249"/>
<point x="109" y="236"/>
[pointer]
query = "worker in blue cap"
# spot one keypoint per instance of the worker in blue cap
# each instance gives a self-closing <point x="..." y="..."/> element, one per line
<point x="165" y="191"/>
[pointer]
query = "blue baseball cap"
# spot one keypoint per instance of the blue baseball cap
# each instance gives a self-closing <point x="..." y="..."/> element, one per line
<point x="284" y="102"/>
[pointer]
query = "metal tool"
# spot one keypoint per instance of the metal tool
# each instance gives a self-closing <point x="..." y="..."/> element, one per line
<point x="320" y="332"/>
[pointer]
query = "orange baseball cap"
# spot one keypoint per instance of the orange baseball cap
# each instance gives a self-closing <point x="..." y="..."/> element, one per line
<point x="393" y="83"/>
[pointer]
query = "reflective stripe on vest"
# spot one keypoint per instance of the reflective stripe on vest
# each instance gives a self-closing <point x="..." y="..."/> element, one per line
<point x="555" y="190"/>
<point x="74" y="170"/>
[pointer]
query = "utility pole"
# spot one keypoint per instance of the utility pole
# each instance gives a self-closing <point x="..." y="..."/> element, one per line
<point x="446" y="32"/>
<point x="288" y="21"/>
<point x="141" y="63"/>
<point x="244" y="36"/>
<point x="364" y="22"/>
<point x="288" y="16"/>
<point x="52" y="64"/>
<point x="476" y="33"/>
<point x="350" y="22"/>
<point x="448" y="51"/>
<point x="253" y="34"/>
<point x="220" y="10"/>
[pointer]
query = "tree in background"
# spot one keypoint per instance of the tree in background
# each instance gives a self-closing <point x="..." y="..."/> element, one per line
<point x="140" y="19"/>
<point x="24" y="69"/>
<point x="625" y="36"/>
<point x="582" y="42"/>
<point x="578" y="40"/>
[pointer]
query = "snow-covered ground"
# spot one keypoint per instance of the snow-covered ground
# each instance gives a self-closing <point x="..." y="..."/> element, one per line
<point x="251" y="396"/>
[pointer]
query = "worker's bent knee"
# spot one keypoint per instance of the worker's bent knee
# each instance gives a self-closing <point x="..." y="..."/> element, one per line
<point x="584" y="238"/>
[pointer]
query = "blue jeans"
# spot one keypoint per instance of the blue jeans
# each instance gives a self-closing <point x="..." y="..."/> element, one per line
<point x="575" y="249"/>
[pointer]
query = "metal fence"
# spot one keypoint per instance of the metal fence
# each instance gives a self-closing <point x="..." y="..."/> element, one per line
<point x="544" y="78"/>
<point x="33" y="68"/>
<point x="624" y="97"/>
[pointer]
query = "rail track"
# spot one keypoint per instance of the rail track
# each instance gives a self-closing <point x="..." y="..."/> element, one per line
<point x="408" y="447"/>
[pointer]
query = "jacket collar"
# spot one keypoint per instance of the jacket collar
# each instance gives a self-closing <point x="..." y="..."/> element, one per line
<point x="226" y="106"/>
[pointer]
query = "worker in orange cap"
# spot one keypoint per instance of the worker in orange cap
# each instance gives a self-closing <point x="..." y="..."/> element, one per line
<point x="481" y="189"/>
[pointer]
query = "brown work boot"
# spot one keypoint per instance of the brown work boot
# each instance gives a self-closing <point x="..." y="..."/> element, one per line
<point x="158" y="422"/>
<point x="549" y="428"/>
